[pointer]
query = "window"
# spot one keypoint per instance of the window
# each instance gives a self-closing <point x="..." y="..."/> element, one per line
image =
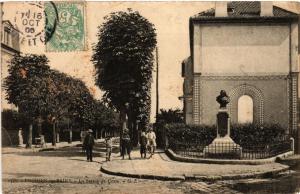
<point x="182" y="69"/>
<point x="6" y="36"/>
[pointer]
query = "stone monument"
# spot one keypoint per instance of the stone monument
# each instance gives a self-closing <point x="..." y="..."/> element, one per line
<point x="20" y="137"/>
<point x="223" y="146"/>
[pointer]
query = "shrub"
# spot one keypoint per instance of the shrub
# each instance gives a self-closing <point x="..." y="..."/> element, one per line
<point x="202" y="134"/>
<point x="252" y="134"/>
<point x="244" y="134"/>
<point x="12" y="119"/>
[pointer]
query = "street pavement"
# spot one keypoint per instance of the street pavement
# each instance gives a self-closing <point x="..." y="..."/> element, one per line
<point x="65" y="170"/>
<point x="159" y="166"/>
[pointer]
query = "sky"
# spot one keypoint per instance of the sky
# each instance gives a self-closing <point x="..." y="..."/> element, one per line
<point x="171" y="22"/>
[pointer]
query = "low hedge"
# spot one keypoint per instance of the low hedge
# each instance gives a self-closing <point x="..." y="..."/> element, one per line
<point x="203" y="134"/>
<point x="251" y="134"/>
<point x="243" y="134"/>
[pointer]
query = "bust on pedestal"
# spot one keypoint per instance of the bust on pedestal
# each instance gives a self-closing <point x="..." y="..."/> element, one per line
<point x="223" y="146"/>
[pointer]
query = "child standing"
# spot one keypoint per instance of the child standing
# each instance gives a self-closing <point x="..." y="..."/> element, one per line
<point x="108" y="147"/>
<point x="143" y="144"/>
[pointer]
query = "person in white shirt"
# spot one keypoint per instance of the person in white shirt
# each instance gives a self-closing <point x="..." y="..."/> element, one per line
<point x="151" y="141"/>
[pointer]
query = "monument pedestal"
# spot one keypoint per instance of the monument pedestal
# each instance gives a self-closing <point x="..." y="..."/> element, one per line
<point x="223" y="146"/>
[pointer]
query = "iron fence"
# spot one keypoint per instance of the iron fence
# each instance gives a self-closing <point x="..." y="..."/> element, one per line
<point x="196" y="149"/>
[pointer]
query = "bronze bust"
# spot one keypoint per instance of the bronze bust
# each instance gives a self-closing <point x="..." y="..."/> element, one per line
<point x="223" y="99"/>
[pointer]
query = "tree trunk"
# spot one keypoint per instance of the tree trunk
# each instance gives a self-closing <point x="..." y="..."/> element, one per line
<point x="134" y="132"/>
<point x="53" y="135"/>
<point x="39" y="125"/>
<point x="29" y="140"/>
<point x="101" y="133"/>
<point x="123" y="124"/>
<point x="96" y="137"/>
<point x="70" y="135"/>
<point x="57" y="137"/>
<point x="132" y="125"/>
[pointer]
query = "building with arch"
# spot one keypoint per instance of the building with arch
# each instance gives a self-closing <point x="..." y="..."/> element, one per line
<point x="250" y="50"/>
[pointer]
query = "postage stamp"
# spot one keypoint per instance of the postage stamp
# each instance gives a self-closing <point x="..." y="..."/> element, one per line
<point x="69" y="33"/>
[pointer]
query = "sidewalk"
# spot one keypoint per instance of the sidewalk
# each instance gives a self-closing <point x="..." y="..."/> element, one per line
<point x="67" y="163"/>
<point x="63" y="161"/>
<point x="162" y="168"/>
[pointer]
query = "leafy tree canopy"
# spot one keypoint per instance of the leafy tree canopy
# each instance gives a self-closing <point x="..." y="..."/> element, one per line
<point x="169" y="116"/>
<point x="123" y="59"/>
<point x="26" y="83"/>
<point x="40" y="91"/>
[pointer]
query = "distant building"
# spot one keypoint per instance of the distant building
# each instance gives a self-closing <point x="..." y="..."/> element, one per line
<point x="250" y="50"/>
<point x="9" y="47"/>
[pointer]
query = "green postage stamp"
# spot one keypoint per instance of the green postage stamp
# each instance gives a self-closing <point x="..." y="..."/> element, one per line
<point x="67" y="19"/>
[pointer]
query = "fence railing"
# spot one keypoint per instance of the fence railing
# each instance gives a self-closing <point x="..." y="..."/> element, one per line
<point x="198" y="149"/>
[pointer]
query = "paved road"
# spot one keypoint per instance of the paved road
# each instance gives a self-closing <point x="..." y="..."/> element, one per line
<point x="70" y="163"/>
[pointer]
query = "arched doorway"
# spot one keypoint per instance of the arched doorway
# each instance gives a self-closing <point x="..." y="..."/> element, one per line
<point x="245" y="109"/>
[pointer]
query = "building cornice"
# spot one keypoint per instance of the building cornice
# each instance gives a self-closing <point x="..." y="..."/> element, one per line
<point x="244" y="19"/>
<point x="251" y="77"/>
<point x="10" y="49"/>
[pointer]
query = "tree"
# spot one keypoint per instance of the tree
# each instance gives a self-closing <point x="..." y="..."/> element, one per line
<point x="104" y="117"/>
<point x="46" y="95"/>
<point x="25" y="86"/>
<point x="123" y="59"/>
<point x="169" y="116"/>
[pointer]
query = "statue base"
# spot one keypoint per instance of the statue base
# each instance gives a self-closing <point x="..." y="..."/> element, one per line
<point x="223" y="147"/>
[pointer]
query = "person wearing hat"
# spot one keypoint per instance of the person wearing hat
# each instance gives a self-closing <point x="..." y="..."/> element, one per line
<point x="88" y="144"/>
<point x="126" y="143"/>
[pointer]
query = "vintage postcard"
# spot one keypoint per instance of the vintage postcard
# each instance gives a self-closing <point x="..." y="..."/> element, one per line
<point x="150" y="97"/>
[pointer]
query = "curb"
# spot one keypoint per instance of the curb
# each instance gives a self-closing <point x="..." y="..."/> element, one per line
<point x="143" y="176"/>
<point x="178" y="158"/>
<point x="268" y="174"/>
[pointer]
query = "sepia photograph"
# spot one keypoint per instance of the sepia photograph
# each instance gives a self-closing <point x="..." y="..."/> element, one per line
<point x="151" y="97"/>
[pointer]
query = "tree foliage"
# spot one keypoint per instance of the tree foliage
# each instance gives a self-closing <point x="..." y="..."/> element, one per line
<point x="12" y="119"/>
<point x="104" y="117"/>
<point x="26" y="85"/>
<point x="169" y="116"/>
<point x="123" y="59"/>
<point x="39" y="91"/>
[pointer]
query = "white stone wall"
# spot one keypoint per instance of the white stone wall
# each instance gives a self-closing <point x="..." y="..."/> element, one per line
<point x="242" y="49"/>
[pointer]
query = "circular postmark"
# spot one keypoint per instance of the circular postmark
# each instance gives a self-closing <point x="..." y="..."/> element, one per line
<point x="51" y="20"/>
<point x="32" y="24"/>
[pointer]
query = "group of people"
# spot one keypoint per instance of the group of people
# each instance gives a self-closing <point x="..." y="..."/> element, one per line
<point x="147" y="143"/>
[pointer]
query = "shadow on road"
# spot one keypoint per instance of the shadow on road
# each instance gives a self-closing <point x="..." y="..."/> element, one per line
<point x="19" y="175"/>
<point x="84" y="160"/>
<point x="74" y="151"/>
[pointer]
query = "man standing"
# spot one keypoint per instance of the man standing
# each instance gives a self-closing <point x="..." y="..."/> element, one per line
<point x="88" y="144"/>
<point x="151" y="141"/>
<point x="126" y="144"/>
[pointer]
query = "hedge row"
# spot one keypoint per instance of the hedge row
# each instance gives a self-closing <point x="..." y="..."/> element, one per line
<point x="243" y="134"/>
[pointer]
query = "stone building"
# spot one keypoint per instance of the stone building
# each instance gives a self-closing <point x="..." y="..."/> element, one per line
<point x="9" y="47"/>
<point x="250" y="50"/>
